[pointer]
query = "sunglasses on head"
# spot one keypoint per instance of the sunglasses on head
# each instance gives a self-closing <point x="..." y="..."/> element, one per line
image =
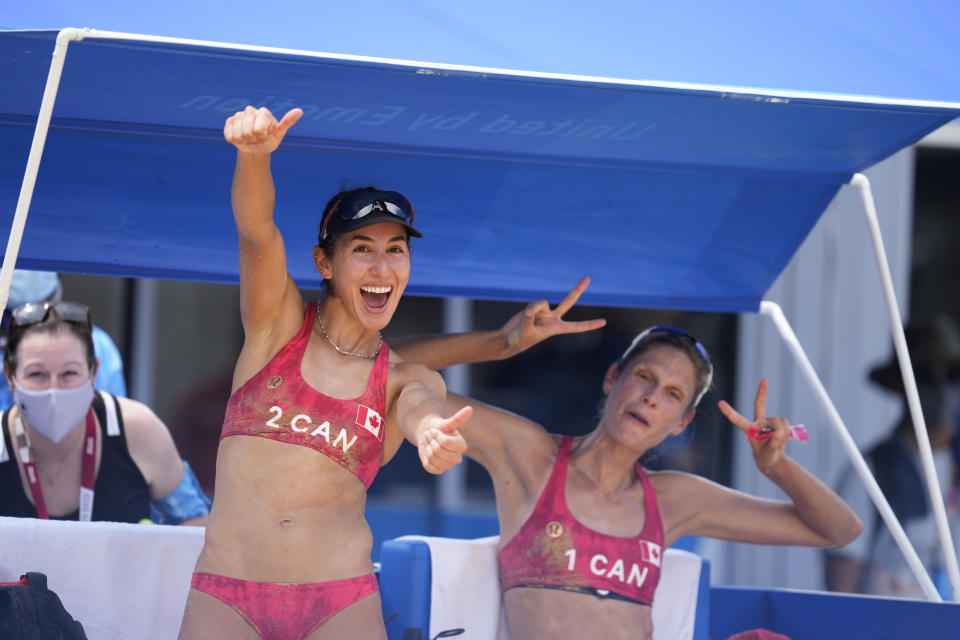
<point x="359" y="204"/>
<point x="674" y="331"/>
<point x="34" y="312"/>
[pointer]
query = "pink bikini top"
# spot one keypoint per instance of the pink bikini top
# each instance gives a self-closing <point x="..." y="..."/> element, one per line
<point x="278" y="404"/>
<point x="553" y="550"/>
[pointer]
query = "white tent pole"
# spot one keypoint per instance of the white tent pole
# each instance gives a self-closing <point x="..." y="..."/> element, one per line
<point x="910" y="385"/>
<point x="33" y="161"/>
<point x="773" y="310"/>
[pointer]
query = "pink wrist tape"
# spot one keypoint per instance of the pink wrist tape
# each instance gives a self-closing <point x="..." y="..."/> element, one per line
<point x="797" y="432"/>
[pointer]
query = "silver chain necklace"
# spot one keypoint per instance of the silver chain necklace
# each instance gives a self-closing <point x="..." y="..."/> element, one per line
<point x="343" y="351"/>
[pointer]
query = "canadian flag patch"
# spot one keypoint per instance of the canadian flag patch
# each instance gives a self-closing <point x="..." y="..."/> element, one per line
<point x="369" y="420"/>
<point x="650" y="552"/>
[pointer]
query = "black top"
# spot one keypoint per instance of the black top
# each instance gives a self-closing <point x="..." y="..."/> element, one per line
<point x="121" y="493"/>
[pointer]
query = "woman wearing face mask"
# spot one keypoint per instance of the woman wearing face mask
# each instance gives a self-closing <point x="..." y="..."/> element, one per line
<point x="69" y="452"/>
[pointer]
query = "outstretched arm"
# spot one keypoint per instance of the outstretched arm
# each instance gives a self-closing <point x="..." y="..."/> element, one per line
<point x="420" y="417"/>
<point x="535" y="323"/>
<point x="814" y="516"/>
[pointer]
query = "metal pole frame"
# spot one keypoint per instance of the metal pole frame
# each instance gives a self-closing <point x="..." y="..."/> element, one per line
<point x="33" y="160"/>
<point x="774" y="312"/>
<point x="910" y="385"/>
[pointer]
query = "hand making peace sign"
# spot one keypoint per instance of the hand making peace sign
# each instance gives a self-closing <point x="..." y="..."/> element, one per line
<point x="766" y="452"/>
<point x="537" y="321"/>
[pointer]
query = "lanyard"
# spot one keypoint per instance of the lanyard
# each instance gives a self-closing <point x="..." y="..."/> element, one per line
<point x="87" y="474"/>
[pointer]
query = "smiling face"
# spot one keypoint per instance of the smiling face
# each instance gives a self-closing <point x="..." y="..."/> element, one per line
<point x="649" y="398"/>
<point x="368" y="269"/>
<point x="51" y="360"/>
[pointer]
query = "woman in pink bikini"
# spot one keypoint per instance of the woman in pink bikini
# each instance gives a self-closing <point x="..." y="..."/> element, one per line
<point x="582" y="524"/>
<point x="319" y="403"/>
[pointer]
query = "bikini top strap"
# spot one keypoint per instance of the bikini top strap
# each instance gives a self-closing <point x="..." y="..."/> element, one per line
<point x="553" y="497"/>
<point x="652" y="523"/>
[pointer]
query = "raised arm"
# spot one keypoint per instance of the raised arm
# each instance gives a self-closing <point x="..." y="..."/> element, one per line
<point x="815" y="515"/>
<point x="535" y="323"/>
<point x="268" y="294"/>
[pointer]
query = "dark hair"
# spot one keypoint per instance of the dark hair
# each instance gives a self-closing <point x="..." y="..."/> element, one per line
<point x="52" y="324"/>
<point x="687" y="345"/>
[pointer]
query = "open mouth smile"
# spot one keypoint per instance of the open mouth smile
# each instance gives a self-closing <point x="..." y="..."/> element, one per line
<point x="375" y="298"/>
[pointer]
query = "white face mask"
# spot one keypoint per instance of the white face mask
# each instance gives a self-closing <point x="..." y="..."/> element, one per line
<point x="53" y="412"/>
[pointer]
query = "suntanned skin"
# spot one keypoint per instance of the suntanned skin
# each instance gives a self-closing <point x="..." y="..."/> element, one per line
<point x="649" y="400"/>
<point x="286" y="513"/>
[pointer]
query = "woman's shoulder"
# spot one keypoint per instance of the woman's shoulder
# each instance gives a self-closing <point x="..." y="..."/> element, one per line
<point x="683" y="495"/>
<point x="397" y="361"/>
<point x="134" y="410"/>
<point x="677" y="481"/>
<point x="151" y="446"/>
<point x="547" y="444"/>
<point x="140" y="423"/>
<point x="400" y="372"/>
<point x="533" y="451"/>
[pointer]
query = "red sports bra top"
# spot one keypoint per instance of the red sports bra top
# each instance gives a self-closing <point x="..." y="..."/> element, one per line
<point x="553" y="550"/>
<point x="277" y="403"/>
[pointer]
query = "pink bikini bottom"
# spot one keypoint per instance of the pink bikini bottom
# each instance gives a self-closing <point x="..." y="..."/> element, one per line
<point x="285" y="611"/>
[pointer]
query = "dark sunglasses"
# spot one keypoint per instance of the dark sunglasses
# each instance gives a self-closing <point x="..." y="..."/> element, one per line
<point x="356" y="205"/>
<point x="34" y="312"/>
<point x="672" y="330"/>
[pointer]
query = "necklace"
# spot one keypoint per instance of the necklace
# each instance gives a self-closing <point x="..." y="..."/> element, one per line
<point x="343" y="351"/>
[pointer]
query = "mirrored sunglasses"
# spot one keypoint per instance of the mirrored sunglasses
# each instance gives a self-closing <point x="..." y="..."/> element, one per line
<point x="360" y="204"/>
<point x="34" y="312"/>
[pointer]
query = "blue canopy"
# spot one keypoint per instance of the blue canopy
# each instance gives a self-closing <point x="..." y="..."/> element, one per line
<point x="884" y="48"/>
<point x="668" y="196"/>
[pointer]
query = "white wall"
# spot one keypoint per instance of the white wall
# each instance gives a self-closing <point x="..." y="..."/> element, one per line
<point x="831" y="295"/>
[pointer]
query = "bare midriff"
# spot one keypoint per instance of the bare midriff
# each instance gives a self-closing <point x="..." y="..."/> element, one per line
<point x="542" y="614"/>
<point x="285" y="513"/>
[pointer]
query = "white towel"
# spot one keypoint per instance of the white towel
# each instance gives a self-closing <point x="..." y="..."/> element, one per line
<point x="119" y="580"/>
<point x="675" y="600"/>
<point x="465" y="589"/>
